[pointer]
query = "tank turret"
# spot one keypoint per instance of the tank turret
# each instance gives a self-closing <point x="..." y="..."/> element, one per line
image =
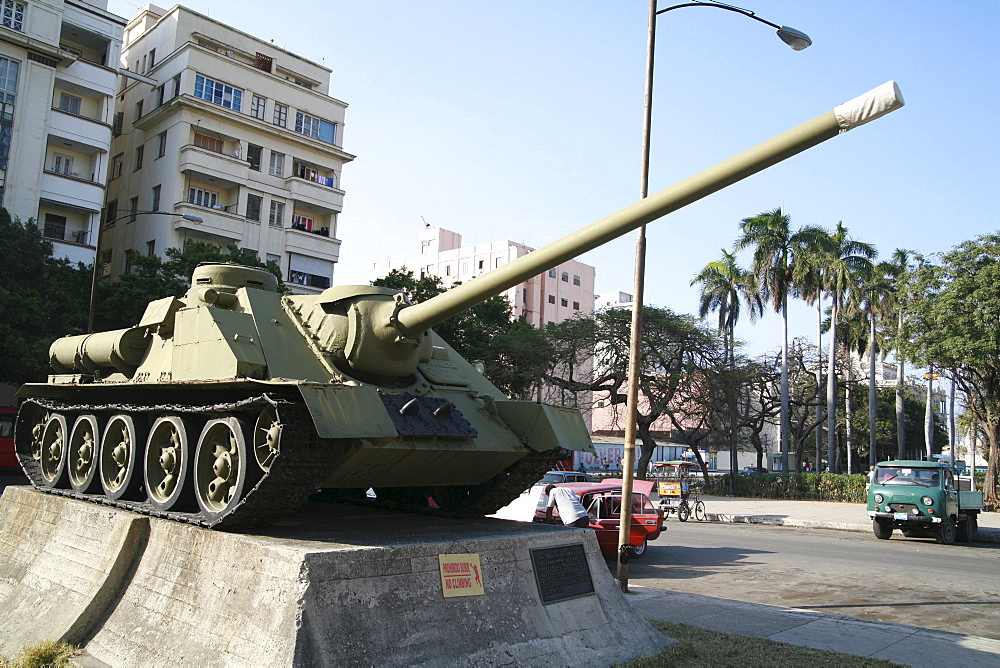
<point x="232" y="404"/>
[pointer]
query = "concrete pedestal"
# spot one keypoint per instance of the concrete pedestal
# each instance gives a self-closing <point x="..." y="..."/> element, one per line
<point x="337" y="585"/>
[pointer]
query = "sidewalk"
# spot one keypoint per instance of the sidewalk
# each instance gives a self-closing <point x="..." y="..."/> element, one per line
<point x="814" y="515"/>
<point x="899" y="643"/>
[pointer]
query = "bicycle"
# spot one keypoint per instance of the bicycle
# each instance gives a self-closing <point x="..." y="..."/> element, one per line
<point x="692" y="505"/>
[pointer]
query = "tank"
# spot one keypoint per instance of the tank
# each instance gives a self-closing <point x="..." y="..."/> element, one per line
<point x="231" y="405"/>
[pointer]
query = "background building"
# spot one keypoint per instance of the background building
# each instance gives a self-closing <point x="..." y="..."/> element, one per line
<point x="547" y="298"/>
<point x="231" y="129"/>
<point x="58" y="70"/>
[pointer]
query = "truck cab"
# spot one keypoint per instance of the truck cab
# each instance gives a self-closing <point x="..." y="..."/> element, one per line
<point x="922" y="499"/>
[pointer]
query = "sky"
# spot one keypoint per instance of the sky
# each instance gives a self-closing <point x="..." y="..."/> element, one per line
<point x="522" y="120"/>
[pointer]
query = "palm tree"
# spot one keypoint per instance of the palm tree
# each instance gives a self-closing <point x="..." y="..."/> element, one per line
<point x="725" y="285"/>
<point x="899" y="267"/>
<point x="846" y="261"/>
<point x="878" y="291"/>
<point x="775" y="250"/>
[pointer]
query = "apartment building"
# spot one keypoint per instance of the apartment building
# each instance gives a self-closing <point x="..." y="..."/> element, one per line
<point x="58" y="72"/>
<point x="238" y="135"/>
<point x="547" y="298"/>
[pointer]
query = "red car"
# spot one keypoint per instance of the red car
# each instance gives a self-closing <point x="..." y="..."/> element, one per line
<point x="603" y="503"/>
<point x="7" y="457"/>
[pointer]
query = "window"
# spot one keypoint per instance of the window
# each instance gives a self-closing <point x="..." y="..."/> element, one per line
<point x="151" y="248"/>
<point x="116" y="165"/>
<point x="162" y="149"/>
<point x="13" y="14"/>
<point x="524" y="295"/>
<point x="276" y="218"/>
<point x="138" y="110"/>
<point x="565" y="277"/>
<point x="576" y="306"/>
<point x="465" y="267"/>
<point x="480" y="265"/>
<point x="310" y="280"/>
<point x="116" y="126"/>
<point x="55" y="226"/>
<point x="576" y="280"/>
<point x="155" y="204"/>
<point x="134" y="207"/>
<point x="552" y="299"/>
<point x="564" y="302"/>
<point x="139" y="152"/>
<point x="281" y="114"/>
<point x="62" y="164"/>
<point x="177" y="86"/>
<point x="277" y="167"/>
<point x="447" y="270"/>
<point x="202" y="197"/>
<point x="218" y="93"/>
<point x="69" y="103"/>
<point x="253" y="156"/>
<point x="152" y="61"/>
<point x="425" y="246"/>
<point x="161" y="92"/>
<point x="262" y="62"/>
<point x="552" y="273"/>
<point x="208" y="143"/>
<point x="258" y="106"/>
<point x="8" y="79"/>
<point x="254" y="204"/>
<point x="106" y="256"/>
<point x="315" y="127"/>
<point x="111" y="213"/>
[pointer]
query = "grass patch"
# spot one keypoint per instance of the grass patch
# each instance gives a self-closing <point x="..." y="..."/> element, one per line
<point x="702" y="648"/>
<point x="46" y="653"/>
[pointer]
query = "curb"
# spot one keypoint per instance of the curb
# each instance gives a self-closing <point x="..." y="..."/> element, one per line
<point x="985" y="535"/>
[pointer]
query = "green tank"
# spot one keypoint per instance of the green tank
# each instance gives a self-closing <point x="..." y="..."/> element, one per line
<point x="231" y="405"/>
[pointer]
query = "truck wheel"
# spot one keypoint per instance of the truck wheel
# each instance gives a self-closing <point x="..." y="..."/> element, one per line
<point x="968" y="530"/>
<point x="881" y="530"/>
<point x="944" y="533"/>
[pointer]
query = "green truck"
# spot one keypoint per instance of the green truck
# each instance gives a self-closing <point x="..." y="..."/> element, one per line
<point x="922" y="499"/>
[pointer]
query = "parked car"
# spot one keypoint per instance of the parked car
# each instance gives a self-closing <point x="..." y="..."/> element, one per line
<point x="603" y="503"/>
<point x="559" y="477"/>
<point x="751" y="470"/>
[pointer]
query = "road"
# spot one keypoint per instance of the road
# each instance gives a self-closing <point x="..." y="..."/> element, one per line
<point x="910" y="581"/>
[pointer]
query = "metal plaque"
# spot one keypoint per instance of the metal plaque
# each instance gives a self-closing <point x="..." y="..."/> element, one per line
<point x="561" y="573"/>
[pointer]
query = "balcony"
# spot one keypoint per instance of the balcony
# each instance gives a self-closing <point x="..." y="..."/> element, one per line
<point x="80" y="129"/>
<point x="321" y="197"/>
<point x="73" y="191"/>
<point x="228" y="171"/>
<point x="91" y="76"/>
<point x="219" y="226"/>
<point x="313" y="245"/>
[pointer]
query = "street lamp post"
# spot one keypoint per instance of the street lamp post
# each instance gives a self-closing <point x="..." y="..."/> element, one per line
<point x="97" y="252"/>
<point x="797" y="40"/>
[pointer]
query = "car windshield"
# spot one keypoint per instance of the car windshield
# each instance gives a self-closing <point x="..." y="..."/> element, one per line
<point x="895" y="475"/>
<point x="552" y="477"/>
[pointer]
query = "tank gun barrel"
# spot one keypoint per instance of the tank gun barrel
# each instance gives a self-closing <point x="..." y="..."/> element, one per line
<point x="413" y="320"/>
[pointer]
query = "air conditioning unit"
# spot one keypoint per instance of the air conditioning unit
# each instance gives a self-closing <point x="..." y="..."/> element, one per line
<point x="230" y="53"/>
<point x="105" y="271"/>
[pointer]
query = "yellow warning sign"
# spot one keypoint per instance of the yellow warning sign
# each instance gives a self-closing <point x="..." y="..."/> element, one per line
<point x="461" y="575"/>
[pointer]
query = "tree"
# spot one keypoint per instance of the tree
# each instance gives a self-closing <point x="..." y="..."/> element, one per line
<point x="899" y="270"/>
<point x="845" y="260"/>
<point x="877" y="295"/>
<point x="514" y="354"/>
<point x="41" y="298"/>
<point x="725" y="286"/>
<point x="954" y="309"/>
<point x="679" y="363"/>
<point x="121" y="303"/>
<point x="776" y="249"/>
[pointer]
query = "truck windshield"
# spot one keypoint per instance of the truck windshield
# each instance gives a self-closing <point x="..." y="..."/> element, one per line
<point x="891" y="475"/>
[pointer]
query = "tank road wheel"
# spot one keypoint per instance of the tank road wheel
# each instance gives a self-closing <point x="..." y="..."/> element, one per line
<point x="881" y="529"/>
<point x="220" y="467"/>
<point x="83" y="450"/>
<point x="945" y="532"/>
<point x="266" y="438"/>
<point x="166" y="471"/>
<point x="119" y="463"/>
<point x="52" y="453"/>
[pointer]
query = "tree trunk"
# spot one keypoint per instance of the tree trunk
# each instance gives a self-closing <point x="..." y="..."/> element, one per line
<point x="992" y="464"/>
<point x="819" y="381"/>
<point x="849" y="421"/>
<point x="873" y="449"/>
<point x="784" y="382"/>
<point x="646" y="451"/>
<point x="831" y="387"/>
<point x="900" y="421"/>
<point x="929" y="415"/>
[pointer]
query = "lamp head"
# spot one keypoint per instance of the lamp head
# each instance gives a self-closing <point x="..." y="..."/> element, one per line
<point x="796" y="39"/>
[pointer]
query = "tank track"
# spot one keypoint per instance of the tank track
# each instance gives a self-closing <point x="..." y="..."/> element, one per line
<point x="303" y="463"/>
